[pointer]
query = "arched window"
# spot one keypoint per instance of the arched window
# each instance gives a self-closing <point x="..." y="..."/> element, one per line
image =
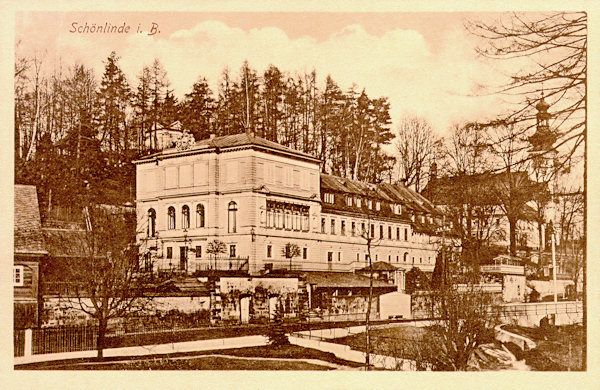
<point x="185" y="217"/>
<point x="232" y="214"/>
<point x="151" y="223"/>
<point x="200" y="215"/>
<point x="171" y="217"/>
<point x="405" y="257"/>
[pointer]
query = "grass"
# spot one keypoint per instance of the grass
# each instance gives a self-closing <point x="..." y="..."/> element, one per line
<point x="199" y="361"/>
<point x="393" y="341"/>
<point x="558" y="348"/>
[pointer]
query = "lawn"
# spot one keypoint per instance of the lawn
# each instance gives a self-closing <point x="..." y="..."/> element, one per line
<point x="397" y="341"/>
<point x="558" y="348"/>
<point x="205" y="360"/>
<point x="199" y="363"/>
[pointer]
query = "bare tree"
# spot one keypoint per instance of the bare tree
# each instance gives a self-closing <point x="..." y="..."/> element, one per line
<point x="104" y="282"/>
<point x="466" y="320"/>
<point x="549" y="52"/>
<point x="418" y="148"/>
<point x="289" y="251"/>
<point x="216" y="247"/>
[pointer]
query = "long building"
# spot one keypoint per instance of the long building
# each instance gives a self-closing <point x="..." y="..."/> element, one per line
<point x="235" y="203"/>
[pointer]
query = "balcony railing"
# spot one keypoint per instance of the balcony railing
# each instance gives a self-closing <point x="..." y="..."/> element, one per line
<point x="211" y="263"/>
<point x="504" y="269"/>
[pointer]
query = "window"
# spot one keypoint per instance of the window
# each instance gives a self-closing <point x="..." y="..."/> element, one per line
<point x="372" y="230"/>
<point x="343" y="228"/>
<point x="171" y="217"/>
<point x="200" y="216"/>
<point x="353" y="228"/>
<point x="390" y="232"/>
<point x="363" y="229"/>
<point x="305" y="223"/>
<point x="378" y="206"/>
<point x="231" y="221"/>
<point x="169" y="252"/>
<point x="370" y="204"/>
<point x="357" y="257"/>
<point x="405" y="234"/>
<point x="398" y="234"/>
<point x="151" y="223"/>
<point x="358" y="202"/>
<point x="18" y="275"/>
<point x="287" y="222"/>
<point x="322" y="225"/>
<point x="329" y="198"/>
<point x="405" y="260"/>
<point x="397" y="259"/>
<point x="305" y="253"/>
<point x="381" y="231"/>
<point x="333" y="226"/>
<point x="269" y="251"/>
<point x="339" y="256"/>
<point x="198" y="251"/>
<point x="329" y="257"/>
<point x="349" y="201"/>
<point x="185" y="217"/>
<point x="389" y="258"/>
<point x="231" y="250"/>
<point x="366" y="257"/>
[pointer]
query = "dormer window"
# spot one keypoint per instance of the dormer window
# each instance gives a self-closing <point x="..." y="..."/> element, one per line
<point x="358" y="202"/>
<point x="378" y="206"/>
<point x="329" y="198"/>
<point x="398" y="209"/>
<point x="349" y="201"/>
<point x="370" y="204"/>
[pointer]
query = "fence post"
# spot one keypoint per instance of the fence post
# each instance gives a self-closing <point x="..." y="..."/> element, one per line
<point x="28" y="350"/>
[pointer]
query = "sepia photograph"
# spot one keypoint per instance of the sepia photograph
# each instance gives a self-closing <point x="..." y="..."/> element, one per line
<point x="300" y="191"/>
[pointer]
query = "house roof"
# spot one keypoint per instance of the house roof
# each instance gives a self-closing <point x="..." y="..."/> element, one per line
<point x="380" y="266"/>
<point x="232" y="141"/>
<point x="353" y="187"/>
<point x="181" y="286"/>
<point x="28" y="226"/>
<point x="66" y="242"/>
<point x="341" y="279"/>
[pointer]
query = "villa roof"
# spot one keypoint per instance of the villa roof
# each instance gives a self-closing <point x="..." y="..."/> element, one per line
<point x="234" y="141"/>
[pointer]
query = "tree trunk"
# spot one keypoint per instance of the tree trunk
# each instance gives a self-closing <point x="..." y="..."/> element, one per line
<point x="512" y="224"/>
<point x="102" y="324"/>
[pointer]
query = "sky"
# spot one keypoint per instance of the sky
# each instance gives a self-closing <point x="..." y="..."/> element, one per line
<point x="425" y="63"/>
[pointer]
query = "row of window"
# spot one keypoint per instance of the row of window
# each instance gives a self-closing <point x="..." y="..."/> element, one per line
<point x="270" y="252"/>
<point x="356" y="201"/>
<point x="183" y="253"/>
<point x="363" y="229"/>
<point x="185" y="218"/>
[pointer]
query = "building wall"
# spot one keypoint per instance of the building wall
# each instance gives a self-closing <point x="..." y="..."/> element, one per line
<point x="26" y="294"/>
<point x="251" y="179"/>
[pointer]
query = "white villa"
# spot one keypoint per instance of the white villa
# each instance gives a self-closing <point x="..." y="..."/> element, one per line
<point x="256" y="197"/>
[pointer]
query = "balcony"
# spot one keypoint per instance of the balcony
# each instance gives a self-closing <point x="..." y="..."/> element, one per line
<point x="503" y="269"/>
<point x="213" y="263"/>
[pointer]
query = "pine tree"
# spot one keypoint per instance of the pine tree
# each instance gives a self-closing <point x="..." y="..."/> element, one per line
<point x="198" y="109"/>
<point x="114" y="98"/>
